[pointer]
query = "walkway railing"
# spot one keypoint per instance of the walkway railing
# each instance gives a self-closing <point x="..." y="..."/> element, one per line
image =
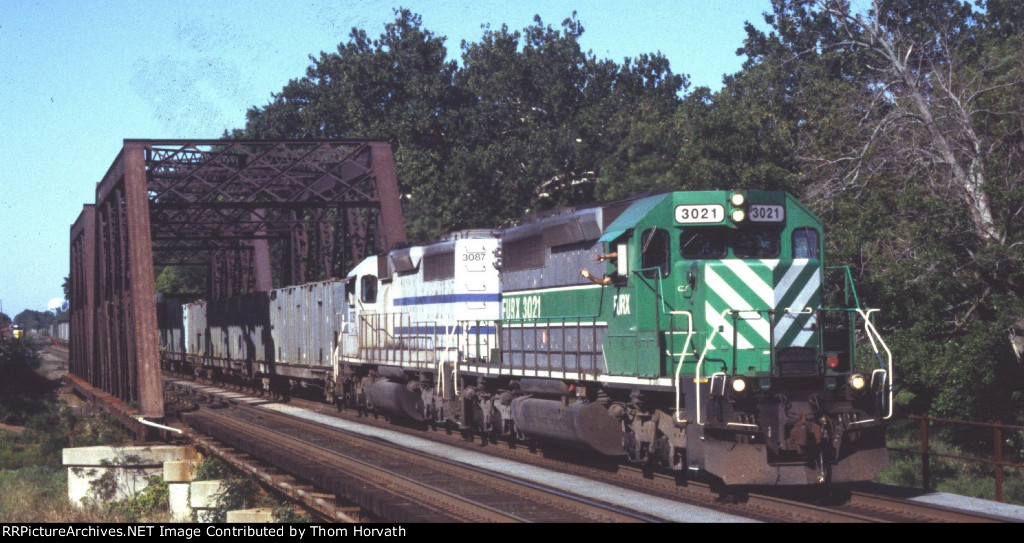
<point x="997" y="461"/>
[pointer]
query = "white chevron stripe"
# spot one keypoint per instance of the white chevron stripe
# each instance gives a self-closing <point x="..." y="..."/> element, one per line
<point x="804" y="337"/>
<point x="780" y="291"/>
<point x="716" y="320"/>
<point x="761" y="288"/>
<point x="787" y="280"/>
<point x="799" y="303"/>
<point x="723" y="290"/>
<point x="733" y="300"/>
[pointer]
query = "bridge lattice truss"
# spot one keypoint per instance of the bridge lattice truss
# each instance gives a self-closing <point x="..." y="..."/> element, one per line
<point x="254" y="213"/>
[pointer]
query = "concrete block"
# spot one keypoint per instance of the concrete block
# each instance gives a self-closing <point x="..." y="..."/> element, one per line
<point x="203" y="496"/>
<point x="258" y="515"/>
<point x="178" y="501"/>
<point x="154" y="455"/>
<point x="179" y="471"/>
<point x="127" y="466"/>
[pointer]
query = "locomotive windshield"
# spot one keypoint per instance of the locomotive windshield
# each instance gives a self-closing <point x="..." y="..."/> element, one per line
<point x="714" y="243"/>
<point x="805" y="243"/>
<point x="655" y="252"/>
<point x="704" y="243"/>
<point x="755" y="244"/>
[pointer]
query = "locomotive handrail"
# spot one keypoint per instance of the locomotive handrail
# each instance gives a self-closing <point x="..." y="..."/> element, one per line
<point x="338" y="342"/>
<point x="849" y="282"/>
<point x="579" y="323"/>
<point x="735" y="332"/>
<point x="524" y="322"/>
<point x="718" y="376"/>
<point x="365" y="318"/>
<point x="873" y="334"/>
<point x="682" y="356"/>
<point x="658" y="279"/>
<point x="449" y="332"/>
<point x="455" y="363"/>
<point x="440" y="376"/>
<point x="700" y="362"/>
<point x="689" y="335"/>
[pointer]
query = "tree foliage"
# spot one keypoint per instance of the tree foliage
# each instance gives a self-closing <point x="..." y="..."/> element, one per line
<point x="35" y="320"/>
<point x="523" y="125"/>
<point x="902" y="126"/>
<point x="184" y="280"/>
<point x="908" y="116"/>
<point x="22" y="390"/>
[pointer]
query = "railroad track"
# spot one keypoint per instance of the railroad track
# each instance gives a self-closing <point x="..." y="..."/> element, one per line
<point x="855" y="506"/>
<point x="391" y="482"/>
<point x="849" y="507"/>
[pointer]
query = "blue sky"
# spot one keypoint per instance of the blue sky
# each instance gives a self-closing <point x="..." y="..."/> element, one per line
<point x="77" y="77"/>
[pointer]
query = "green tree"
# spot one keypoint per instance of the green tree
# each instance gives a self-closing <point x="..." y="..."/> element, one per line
<point x="524" y="125"/>
<point x="397" y="87"/>
<point x="187" y="280"/>
<point x="543" y="117"/>
<point x="633" y="126"/>
<point x="909" y="116"/>
<point x="23" y="390"/>
<point x="35" y="320"/>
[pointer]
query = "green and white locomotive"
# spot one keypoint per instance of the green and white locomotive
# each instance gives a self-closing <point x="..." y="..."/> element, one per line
<point x="686" y="330"/>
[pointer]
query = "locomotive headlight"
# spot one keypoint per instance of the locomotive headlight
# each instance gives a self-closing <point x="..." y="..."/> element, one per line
<point x="738" y="215"/>
<point x="737" y="199"/>
<point x="857" y="382"/>
<point x="739" y="385"/>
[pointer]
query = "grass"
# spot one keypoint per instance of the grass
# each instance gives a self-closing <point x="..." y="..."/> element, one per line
<point x="39" y="494"/>
<point x="37" y="427"/>
<point x="33" y="479"/>
<point x="35" y="493"/>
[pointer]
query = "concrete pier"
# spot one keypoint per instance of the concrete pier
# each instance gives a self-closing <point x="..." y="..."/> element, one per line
<point x="125" y="469"/>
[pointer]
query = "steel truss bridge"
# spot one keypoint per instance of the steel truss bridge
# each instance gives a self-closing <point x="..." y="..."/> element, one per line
<point x="251" y="212"/>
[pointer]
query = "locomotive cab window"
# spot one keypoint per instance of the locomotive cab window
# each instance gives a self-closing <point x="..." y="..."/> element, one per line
<point x="368" y="289"/>
<point x="805" y="243"/>
<point x="654" y="252"/>
<point x="350" y="291"/>
<point x="703" y="243"/>
<point x="755" y="244"/>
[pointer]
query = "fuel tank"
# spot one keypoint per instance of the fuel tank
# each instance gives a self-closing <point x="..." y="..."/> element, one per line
<point x="396" y="399"/>
<point x="586" y="425"/>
